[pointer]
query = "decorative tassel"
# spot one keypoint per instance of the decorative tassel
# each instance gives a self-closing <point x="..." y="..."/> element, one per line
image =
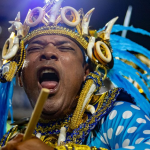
<point x="6" y="94"/>
<point x="93" y="84"/>
<point x="12" y="71"/>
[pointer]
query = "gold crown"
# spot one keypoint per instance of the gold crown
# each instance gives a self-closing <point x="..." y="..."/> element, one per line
<point x="53" y="19"/>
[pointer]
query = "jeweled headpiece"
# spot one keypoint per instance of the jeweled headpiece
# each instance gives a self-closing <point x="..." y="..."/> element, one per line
<point x="52" y="19"/>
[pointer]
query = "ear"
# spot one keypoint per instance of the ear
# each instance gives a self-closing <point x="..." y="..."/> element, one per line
<point x="87" y="69"/>
<point x="20" y="83"/>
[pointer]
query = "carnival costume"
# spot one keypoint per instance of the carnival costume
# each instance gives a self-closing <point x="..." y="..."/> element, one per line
<point x="100" y="121"/>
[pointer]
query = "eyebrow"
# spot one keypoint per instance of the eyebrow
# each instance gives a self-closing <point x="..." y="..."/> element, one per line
<point x="37" y="42"/>
<point x="63" y="42"/>
<point x="44" y="42"/>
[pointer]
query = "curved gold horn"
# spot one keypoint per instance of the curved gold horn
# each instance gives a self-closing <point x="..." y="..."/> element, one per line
<point x="108" y="28"/>
<point x="86" y="20"/>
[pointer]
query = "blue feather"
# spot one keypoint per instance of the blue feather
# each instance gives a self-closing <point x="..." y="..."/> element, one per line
<point x="123" y="44"/>
<point x="130" y="72"/>
<point x="6" y="90"/>
<point x="121" y="47"/>
<point x="120" y="81"/>
<point x="118" y="28"/>
<point x="130" y="57"/>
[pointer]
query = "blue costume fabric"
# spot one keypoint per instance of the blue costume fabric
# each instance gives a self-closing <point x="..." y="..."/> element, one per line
<point x="125" y="127"/>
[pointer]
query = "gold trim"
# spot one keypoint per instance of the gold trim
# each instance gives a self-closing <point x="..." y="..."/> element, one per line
<point x="72" y="146"/>
<point x="56" y="30"/>
<point x="12" y="70"/>
<point x="78" y="113"/>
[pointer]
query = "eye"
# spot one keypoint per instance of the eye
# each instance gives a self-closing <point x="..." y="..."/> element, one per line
<point x="34" y="49"/>
<point x="65" y="48"/>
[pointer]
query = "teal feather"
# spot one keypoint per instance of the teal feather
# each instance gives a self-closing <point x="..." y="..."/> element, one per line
<point x="6" y="93"/>
<point x="121" y="48"/>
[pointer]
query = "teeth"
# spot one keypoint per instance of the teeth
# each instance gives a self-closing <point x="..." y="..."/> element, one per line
<point x="47" y="71"/>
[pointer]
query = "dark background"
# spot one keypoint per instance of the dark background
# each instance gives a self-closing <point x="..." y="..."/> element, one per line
<point x="105" y="11"/>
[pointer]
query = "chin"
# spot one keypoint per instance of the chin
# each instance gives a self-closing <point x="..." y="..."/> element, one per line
<point x="55" y="112"/>
<point x="47" y="116"/>
<point x="51" y="111"/>
<point x="51" y="115"/>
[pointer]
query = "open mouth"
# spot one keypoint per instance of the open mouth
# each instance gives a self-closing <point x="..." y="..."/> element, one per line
<point x="48" y="78"/>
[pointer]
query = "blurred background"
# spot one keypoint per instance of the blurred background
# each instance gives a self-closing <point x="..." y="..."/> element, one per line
<point x="105" y="11"/>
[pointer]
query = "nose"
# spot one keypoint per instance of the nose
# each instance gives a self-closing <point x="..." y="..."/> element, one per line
<point x="49" y="52"/>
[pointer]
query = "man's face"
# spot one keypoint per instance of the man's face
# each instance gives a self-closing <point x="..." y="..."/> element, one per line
<point x="54" y="62"/>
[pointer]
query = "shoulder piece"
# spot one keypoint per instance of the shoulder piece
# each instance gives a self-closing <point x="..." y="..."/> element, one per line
<point x="103" y="105"/>
<point x="10" y="134"/>
<point x="97" y="100"/>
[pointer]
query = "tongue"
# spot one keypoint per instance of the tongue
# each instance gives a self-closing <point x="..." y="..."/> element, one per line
<point x="49" y="84"/>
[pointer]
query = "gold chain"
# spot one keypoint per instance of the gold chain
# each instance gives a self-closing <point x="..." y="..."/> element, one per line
<point x="78" y="113"/>
<point x="22" y="55"/>
<point x="12" y="70"/>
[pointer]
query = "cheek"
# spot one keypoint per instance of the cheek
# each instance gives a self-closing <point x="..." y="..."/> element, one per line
<point x="27" y="70"/>
<point x="72" y="59"/>
<point x="30" y="61"/>
<point x="73" y="66"/>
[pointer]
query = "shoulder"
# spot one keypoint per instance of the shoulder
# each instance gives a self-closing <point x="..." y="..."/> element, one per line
<point x="126" y="124"/>
<point x="112" y="96"/>
<point x="123" y="112"/>
<point x="126" y="111"/>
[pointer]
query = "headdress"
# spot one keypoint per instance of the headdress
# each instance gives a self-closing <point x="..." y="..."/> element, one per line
<point x="72" y="23"/>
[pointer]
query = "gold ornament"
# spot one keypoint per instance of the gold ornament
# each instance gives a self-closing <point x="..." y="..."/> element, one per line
<point x="76" y="120"/>
<point x="12" y="71"/>
<point x="72" y="146"/>
<point x="56" y="30"/>
<point x="78" y="113"/>
<point x="22" y="56"/>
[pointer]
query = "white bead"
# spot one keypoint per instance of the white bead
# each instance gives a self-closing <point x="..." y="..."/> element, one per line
<point x="91" y="109"/>
<point x="38" y="135"/>
<point x="62" y="135"/>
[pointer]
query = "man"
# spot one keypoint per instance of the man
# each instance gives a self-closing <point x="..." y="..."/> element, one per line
<point x="55" y="60"/>
<point x="51" y="57"/>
